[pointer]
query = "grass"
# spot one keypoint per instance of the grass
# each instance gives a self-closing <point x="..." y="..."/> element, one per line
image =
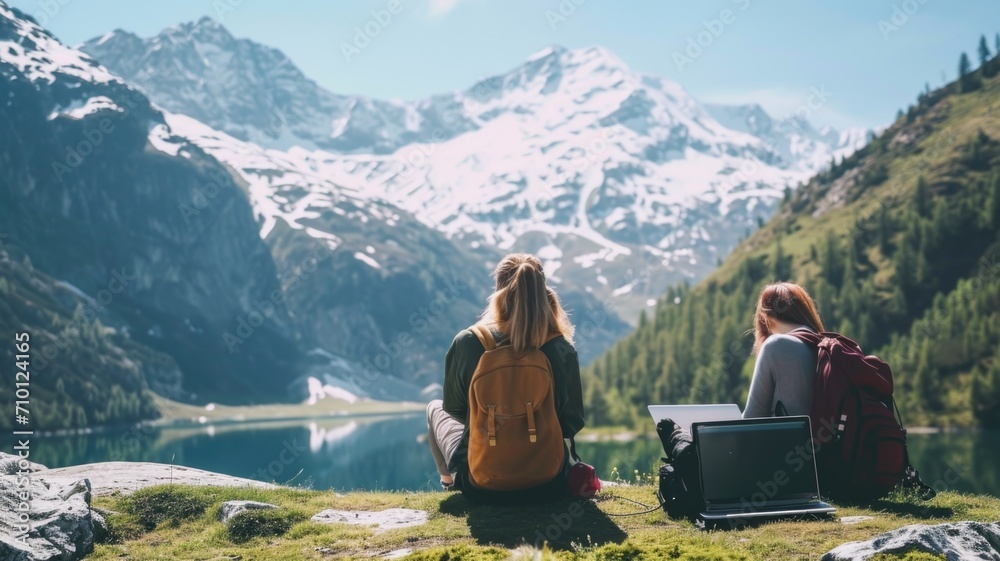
<point x="251" y="524"/>
<point x="179" y="523"/>
<point x="168" y="505"/>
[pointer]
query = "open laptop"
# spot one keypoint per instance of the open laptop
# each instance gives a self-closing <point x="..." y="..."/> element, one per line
<point x="752" y="468"/>
<point x="687" y="415"/>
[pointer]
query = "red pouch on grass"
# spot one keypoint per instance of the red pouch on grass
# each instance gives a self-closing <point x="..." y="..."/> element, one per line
<point x="583" y="481"/>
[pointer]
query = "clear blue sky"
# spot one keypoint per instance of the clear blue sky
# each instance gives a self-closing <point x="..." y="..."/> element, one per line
<point x="769" y="51"/>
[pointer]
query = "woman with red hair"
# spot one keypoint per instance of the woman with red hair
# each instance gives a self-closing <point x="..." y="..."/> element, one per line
<point x="786" y="366"/>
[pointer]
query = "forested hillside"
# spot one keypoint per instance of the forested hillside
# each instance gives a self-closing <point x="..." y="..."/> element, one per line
<point x="900" y="246"/>
<point x="77" y="371"/>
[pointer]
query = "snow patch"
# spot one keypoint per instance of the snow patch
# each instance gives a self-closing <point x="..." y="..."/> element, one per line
<point x="318" y="391"/>
<point x="79" y="109"/>
<point x="549" y="252"/>
<point x="161" y="139"/>
<point x="622" y="290"/>
<point x="367" y="260"/>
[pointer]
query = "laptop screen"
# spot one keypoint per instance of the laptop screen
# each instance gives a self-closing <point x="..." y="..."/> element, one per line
<point x="756" y="462"/>
<point x="688" y="415"/>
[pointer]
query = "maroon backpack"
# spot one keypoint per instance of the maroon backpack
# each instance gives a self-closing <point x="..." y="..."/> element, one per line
<point x="859" y="440"/>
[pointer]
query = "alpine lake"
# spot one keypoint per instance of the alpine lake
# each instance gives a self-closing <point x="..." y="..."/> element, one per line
<point x="391" y="453"/>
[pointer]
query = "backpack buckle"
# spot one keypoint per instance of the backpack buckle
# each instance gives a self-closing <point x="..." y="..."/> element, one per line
<point x="530" y="411"/>
<point x="491" y="424"/>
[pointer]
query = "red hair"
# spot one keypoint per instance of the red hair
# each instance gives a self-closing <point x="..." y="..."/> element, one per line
<point x="787" y="302"/>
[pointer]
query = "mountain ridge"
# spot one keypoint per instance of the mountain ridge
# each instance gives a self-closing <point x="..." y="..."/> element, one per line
<point x="609" y="172"/>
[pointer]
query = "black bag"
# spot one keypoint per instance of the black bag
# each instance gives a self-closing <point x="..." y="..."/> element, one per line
<point x="680" y="486"/>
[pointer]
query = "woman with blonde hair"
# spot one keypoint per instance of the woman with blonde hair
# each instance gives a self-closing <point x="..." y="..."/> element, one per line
<point x="785" y="370"/>
<point x="523" y="317"/>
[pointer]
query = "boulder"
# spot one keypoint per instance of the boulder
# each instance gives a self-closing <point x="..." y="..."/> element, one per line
<point x="383" y="520"/>
<point x="127" y="477"/>
<point x="59" y="518"/>
<point x="229" y="509"/>
<point x="101" y="530"/>
<point x="11" y="465"/>
<point x="961" y="541"/>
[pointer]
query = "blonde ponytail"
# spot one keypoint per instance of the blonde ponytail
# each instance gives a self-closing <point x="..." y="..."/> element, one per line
<point x="523" y="307"/>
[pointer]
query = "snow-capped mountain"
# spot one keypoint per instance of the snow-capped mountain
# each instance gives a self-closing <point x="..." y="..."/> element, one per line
<point x="255" y="93"/>
<point x="388" y="265"/>
<point x="622" y="182"/>
<point x="793" y="137"/>
<point x="152" y="223"/>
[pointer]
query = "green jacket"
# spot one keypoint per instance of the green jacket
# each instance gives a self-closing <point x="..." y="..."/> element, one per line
<point x="461" y="361"/>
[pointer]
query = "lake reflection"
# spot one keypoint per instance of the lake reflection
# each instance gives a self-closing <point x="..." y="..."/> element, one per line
<point x="391" y="453"/>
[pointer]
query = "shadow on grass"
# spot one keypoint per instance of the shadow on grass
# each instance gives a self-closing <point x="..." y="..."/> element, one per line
<point x="912" y="509"/>
<point x="560" y="524"/>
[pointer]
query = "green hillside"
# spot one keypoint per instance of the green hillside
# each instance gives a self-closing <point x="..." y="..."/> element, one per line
<point x="900" y="246"/>
<point x="79" y="372"/>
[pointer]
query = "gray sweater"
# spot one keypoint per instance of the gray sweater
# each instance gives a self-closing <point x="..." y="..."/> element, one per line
<point x="785" y="371"/>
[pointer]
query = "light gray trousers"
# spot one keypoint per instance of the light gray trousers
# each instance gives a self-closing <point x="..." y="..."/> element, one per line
<point x="444" y="434"/>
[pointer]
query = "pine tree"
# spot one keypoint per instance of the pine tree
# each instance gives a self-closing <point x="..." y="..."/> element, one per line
<point x="884" y="232"/>
<point x="928" y="384"/>
<point x="994" y="208"/>
<point x="780" y="270"/>
<point x="832" y="261"/>
<point x="922" y="198"/>
<point x="991" y="415"/>
<point x="984" y="56"/>
<point x="906" y="266"/>
<point x="866" y="329"/>
<point x="597" y="405"/>
<point x="978" y="153"/>
<point x="985" y="394"/>
<point x="964" y="73"/>
<point x="897" y="302"/>
<point x="851" y="265"/>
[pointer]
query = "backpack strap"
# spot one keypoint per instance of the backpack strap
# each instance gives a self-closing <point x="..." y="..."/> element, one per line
<point x="573" y="458"/>
<point x="484" y="335"/>
<point x="911" y="477"/>
<point x="808" y="336"/>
